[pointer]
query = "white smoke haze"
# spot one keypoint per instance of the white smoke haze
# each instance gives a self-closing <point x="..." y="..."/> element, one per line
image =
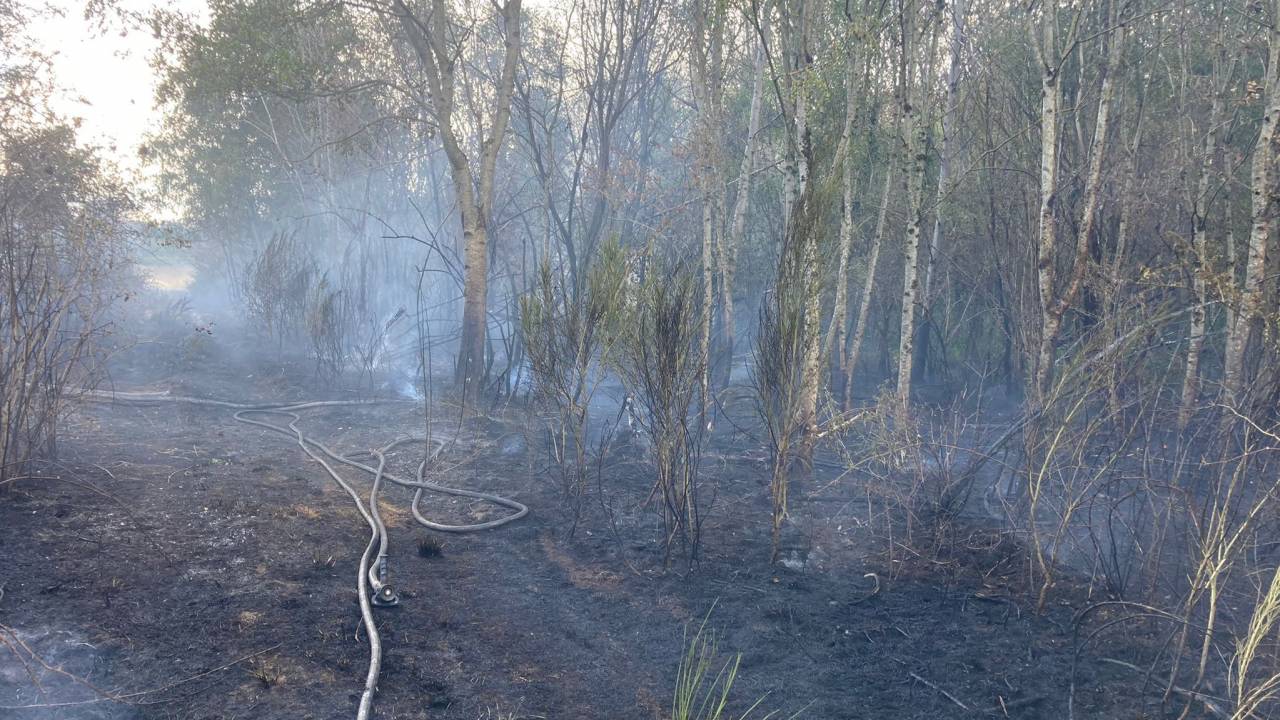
<point x="925" y="348"/>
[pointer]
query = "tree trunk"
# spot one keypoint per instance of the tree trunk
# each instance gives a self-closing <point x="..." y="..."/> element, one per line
<point x="429" y="39"/>
<point x="864" y="307"/>
<point x="835" y="346"/>
<point x="1050" y="102"/>
<point x="913" y="159"/>
<point x="1261" y="184"/>
<point x="912" y="134"/>
<point x="948" y="151"/>
<point x="706" y="65"/>
<point x="1116" y="289"/>
<point x="801" y="154"/>
<point x="1233" y="267"/>
<point x="469" y="372"/>
<point x="1053" y="310"/>
<point x="728" y="249"/>
<point x="1200" y="244"/>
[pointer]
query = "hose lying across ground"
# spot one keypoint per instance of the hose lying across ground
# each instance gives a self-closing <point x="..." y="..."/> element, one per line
<point x="371" y="579"/>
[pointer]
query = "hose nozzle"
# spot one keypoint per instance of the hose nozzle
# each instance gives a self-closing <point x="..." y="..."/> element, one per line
<point x="384" y="596"/>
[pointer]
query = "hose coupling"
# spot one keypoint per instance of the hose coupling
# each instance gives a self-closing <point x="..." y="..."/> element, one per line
<point x="384" y="596"/>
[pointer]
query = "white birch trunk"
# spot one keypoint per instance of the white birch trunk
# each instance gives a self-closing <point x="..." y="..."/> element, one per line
<point x="1261" y="184"/>
<point x="835" y="346"/>
<point x="1200" y="244"/>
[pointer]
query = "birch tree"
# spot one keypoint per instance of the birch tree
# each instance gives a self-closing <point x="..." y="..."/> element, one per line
<point x="1261" y="189"/>
<point x="912" y="93"/>
<point x="434" y="39"/>
<point x="835" y="344"/>
<point x="1054" y="304"/>
<point x="859" y="332"/>
<point x="1200" y="202"/>
<point x="707" y="63"/>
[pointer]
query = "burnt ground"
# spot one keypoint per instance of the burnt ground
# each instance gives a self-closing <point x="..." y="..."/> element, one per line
<point x="196" y="567"/>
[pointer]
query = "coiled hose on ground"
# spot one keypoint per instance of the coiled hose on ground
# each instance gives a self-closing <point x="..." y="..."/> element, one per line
<point x="372" y="577"/>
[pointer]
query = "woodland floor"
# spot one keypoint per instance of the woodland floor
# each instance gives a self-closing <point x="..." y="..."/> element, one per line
<point x="178" y="542"/>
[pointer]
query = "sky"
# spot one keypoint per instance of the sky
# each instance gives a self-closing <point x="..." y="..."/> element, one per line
<point x="105" y="77"/>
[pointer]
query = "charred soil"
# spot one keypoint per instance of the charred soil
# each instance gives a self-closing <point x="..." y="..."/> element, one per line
<point x="193" y="567"/>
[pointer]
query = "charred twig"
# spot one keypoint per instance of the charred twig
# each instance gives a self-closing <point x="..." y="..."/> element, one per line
<point x="106" y="695"/>
<point x="86" y="485"/>
<point x="875" y="591"/>
<point x="944" y="693"/>
<point x="997" y="600"/>
<point x="1002" y="707"/>
<point x="1148" y="611"/>
<point x="1215" y="706"/>
<point x="108" y="472"/>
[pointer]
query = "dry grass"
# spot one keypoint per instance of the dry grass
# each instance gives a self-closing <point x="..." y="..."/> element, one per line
<point x="306" y="512"/>
<point x="393" y="516"/>
<point x="586" y="578"/>
<point x="247" y="619"/>
<point x="267" y="671"/>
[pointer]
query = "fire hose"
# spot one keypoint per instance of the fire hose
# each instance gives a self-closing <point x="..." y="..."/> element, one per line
<point x="372" y="578"/>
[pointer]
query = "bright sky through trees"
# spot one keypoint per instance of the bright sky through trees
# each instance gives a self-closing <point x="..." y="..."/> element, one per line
<point x="103" y="73"/>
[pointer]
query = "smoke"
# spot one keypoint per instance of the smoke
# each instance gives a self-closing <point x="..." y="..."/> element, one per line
<point x="26" y="680"/>
<point x="410" y="391"/>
